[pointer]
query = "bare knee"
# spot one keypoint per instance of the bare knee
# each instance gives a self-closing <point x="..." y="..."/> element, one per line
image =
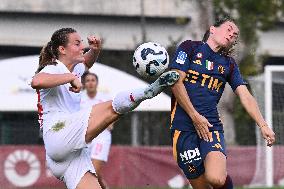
<point x="216" y="181"/>
<point x="215" y="169"/>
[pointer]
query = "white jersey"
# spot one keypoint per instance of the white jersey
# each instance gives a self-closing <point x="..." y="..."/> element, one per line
<point x="58" y="101"/>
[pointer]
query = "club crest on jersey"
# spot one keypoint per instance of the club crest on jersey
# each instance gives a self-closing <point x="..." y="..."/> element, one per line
<point x="209" y="65"/>
<point x="58" y="126"/>
<point x="221" y="69"/>
<point x="199" y="55"/>
<point x="197" y="62"/>
<point x="181" y="57"/>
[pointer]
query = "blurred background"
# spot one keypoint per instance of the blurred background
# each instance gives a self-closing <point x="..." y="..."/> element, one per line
<point x="141" y="152"/>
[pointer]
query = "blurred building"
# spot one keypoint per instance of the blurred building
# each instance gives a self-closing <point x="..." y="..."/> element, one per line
<point x="271" y="45"/>
<point x="120" y="23"/>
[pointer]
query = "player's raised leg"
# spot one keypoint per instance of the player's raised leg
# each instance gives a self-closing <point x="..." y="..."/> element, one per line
<point x="215" y="170"/>
<point x="106" y="113"/>
<point x="215" y="176"/>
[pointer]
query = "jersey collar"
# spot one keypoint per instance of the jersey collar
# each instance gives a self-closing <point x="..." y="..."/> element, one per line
<point x="208" y="49"/>
<point x="62" y="65"/>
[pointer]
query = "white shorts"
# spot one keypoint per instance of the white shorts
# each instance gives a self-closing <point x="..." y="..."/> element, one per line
<point x="67" y="154"/>
<point x="100" y="146"/>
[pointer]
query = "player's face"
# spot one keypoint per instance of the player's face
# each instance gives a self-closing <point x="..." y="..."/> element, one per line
<point x="74" y="49"/>
<point x="226" y="34"/>
<point x="91" y="83"/>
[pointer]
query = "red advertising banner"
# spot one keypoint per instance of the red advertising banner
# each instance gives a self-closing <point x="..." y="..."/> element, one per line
<point x="24" y="166"/>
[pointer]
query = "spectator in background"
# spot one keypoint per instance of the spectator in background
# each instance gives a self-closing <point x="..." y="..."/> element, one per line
<point x="100" y="146"/>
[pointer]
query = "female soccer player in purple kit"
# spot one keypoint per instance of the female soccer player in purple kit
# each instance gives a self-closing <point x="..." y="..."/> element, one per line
<point x="197" y="131"/>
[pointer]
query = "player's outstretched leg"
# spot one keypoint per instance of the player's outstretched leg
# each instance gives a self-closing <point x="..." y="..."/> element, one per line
<point x="128" y="100"/>
<point x="106" y="113"/>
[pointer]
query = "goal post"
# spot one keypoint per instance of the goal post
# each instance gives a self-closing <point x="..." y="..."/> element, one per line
<point x="268" y="117"/>
<point x="268" y="89"/>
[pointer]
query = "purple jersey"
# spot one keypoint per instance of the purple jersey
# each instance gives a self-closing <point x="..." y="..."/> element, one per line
<point x="206" y="75"/>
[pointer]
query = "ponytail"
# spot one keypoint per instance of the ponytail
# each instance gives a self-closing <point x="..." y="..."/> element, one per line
<point x="227" y="51"/>
<point x="46" y="57"/>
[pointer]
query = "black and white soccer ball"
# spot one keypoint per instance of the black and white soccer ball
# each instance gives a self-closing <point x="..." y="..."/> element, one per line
<point x="150" y="60"/>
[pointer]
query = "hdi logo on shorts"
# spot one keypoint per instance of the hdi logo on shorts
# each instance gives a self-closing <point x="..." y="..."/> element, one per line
<point x="190" y="155"/>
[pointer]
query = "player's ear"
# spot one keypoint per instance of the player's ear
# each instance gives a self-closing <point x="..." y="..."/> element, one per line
<point x="61" y="50"/>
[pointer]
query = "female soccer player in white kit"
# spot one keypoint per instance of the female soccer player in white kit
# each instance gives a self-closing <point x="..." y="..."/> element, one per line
<point x="100" y="146"/>
<point x="66" y="129"/>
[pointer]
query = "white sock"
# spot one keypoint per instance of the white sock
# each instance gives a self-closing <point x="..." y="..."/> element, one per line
<point x="127" y="101"/>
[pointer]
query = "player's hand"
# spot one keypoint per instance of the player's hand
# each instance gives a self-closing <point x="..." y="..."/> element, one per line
<point x="268" y="135"/>
<point x="95" y="43"/>
<point x="202" y="125"/>
<point x="76" y="85"/>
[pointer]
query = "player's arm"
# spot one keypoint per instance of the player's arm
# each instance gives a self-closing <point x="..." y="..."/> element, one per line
<point x="250" y="104"/>
<point x="46" y="80"/>
<point x="200" y="122"/>
<point x="92" y="55"/>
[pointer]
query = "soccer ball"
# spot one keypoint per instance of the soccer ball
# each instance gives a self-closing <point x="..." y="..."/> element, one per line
<point x="150" y="60"/>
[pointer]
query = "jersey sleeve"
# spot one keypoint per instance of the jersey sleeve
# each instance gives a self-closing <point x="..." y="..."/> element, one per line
<point x="181" y="57"/>
<point x="235" y="78"/>
<point x="50" y="69"/>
